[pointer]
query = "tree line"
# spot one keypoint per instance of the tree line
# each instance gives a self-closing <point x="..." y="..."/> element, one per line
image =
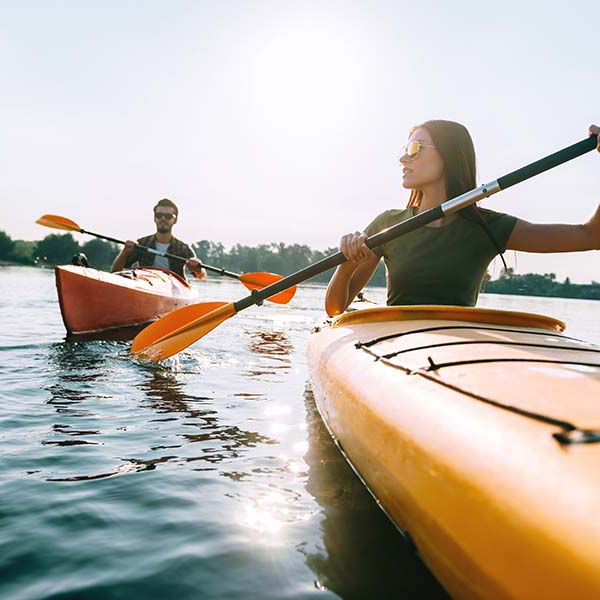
<point x="56" y="249"/>
<point x="59" y="249"/>
<point x="274" y="258"/>
<point x="533" y="284"/>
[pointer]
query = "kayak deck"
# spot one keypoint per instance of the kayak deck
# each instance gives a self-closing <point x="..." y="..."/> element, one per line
<point x="478" y="359"/>
<point x="466" y="425"/>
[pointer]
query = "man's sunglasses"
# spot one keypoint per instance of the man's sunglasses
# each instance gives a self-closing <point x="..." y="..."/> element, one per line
<point x="164" y="215"/>
<point x="413" y="148"/>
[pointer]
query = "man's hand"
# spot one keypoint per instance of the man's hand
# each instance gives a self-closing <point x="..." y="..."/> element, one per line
<point x="129" y="248"/>
<point x="595" y="130"/>
<point x="195" y="266"/>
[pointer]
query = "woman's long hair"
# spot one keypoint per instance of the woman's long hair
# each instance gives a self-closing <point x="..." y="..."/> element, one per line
<point x="455" y="145"/>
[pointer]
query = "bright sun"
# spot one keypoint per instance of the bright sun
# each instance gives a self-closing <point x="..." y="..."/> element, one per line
<point x="307" y="79"/>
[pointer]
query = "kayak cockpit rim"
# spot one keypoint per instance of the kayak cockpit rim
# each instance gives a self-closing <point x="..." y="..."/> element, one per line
<point x="448" y="313"/>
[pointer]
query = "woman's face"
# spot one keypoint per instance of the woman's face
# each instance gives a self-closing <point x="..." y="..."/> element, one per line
<point x="426" y="168"/>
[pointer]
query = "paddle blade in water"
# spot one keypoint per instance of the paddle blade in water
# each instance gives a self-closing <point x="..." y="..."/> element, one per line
<point x="57" y="222"/>
<point x="171" y="322"/>
<point x="258" y="281"/>
<point x="179" y="329"/>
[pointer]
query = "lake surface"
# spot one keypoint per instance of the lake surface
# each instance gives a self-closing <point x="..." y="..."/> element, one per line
<point x="210" y="476"/>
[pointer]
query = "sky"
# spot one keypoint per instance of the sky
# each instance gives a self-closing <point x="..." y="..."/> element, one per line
<point x="280" y="121"/>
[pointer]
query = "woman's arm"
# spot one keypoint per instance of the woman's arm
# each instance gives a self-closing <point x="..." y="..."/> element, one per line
<point x="346" y="282"/>
<point x="534" y="237"/>
<point x="350" y="277"/>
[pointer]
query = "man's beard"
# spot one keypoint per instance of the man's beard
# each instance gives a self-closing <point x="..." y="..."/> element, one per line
<point x="164" y="229"/>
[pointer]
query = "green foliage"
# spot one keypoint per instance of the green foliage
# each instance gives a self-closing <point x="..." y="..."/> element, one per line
<point x="6" y="245"/>
<point x="532" y="284"/>
<point x="18" y="251"/>
<point x="23" y="252"/>
<point x="56" y="249"/>
<point x="208" y="251"/>
<point x="100" y="254"/>
<point x="276" y="257"/>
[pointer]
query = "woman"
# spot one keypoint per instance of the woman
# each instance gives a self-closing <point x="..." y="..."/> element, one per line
<point x="445" y="262"/>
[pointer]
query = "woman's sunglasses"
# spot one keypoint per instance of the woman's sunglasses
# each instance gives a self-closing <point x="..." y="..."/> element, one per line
<point x="164" y="215"/>
<point x="413" y="148"/>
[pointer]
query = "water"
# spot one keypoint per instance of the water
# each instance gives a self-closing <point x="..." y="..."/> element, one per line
<point x="209" y="477"/>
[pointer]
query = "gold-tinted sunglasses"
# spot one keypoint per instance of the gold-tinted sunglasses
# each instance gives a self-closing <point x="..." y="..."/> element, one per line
<point x="413" y="148"/>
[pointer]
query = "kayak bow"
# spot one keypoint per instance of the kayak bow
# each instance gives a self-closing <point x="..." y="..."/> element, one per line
<point x="92" y="300"/>
<point x="474" y="430"/>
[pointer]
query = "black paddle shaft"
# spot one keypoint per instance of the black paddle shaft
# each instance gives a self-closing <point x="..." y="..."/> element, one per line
<point x="424" y="218"/>
<point x="548" y="162"/>
<point x="165" y="254"/>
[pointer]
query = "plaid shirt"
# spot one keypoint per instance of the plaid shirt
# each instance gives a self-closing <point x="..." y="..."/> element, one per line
<point x="146" y="259"/>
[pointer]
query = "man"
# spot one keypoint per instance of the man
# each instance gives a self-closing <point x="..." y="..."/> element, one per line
<point x="165" y="216"/>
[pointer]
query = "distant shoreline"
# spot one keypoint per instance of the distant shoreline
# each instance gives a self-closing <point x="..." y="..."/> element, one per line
<point x="319" y="284"/>
<point x="12" y="263"/>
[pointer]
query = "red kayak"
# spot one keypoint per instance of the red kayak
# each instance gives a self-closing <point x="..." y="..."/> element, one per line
<point x="92" y="301"/>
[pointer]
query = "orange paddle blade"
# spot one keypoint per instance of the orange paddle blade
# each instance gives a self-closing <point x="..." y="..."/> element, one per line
<point x="180" y="329"/>
<point x="257" y="281"/>
<point x="57" y="222"/>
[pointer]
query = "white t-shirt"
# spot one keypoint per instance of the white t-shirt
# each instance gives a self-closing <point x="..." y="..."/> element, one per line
<point x="161" y="261"/>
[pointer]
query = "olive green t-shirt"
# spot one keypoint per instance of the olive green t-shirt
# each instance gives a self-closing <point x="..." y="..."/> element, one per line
<point x="439" y="265"/>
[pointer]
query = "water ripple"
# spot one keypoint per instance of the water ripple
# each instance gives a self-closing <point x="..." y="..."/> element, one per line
<point x="210" y="476"/>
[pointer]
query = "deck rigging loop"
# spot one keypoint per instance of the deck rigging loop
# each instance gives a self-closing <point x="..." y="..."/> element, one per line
<point x="493" y="343"/>
<point x="394" y="336"/>
<point x="570" y="434"/>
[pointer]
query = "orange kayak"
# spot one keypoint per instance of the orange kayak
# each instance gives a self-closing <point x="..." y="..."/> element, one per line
<point x="478" y="432"/>
<point x="92" y="300"/>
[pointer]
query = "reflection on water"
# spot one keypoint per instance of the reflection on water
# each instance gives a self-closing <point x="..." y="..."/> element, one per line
<point x="119" y="334"/>
<point x="80" y="368"/>
<point x="83" y="369"/>
<point x="274" y="348"/>
<point x="272" y="343"/>
<point x="128" y="467"/>
<point x="363" y="554"/>
<point x="76" y="366"/>
<point x="217" y="442"/>
<point x="164" y="393"/>
<point x="211" y="476"/>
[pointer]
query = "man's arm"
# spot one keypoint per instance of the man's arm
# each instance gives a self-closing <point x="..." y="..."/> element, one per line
<point x="121" y="261"/>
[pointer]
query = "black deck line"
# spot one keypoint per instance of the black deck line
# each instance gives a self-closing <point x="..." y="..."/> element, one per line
<point x="425" y="372"/>
<point x="493" y="342"/>
<point x="469" y="327"/>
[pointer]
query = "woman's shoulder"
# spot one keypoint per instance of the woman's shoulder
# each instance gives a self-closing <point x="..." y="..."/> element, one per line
<point x="388" y="218"/>
<point x="499" y="225"/>
<point x="491" y="215"/>
<point x="395" y="215"/>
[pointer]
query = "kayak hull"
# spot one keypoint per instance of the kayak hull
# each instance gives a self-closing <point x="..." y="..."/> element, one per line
<point x="450" y="416"/>
<point x="93" y="301"/>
